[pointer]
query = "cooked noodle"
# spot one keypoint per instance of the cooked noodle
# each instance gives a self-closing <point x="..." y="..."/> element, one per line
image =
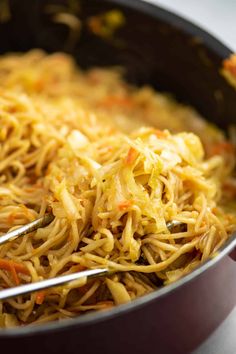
<point x="75" y="143"/>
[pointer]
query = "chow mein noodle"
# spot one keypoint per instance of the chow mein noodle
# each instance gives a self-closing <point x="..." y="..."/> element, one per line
<point x="114" y="164"/>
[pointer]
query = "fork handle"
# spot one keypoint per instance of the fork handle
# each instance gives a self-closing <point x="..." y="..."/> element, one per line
<point x="26" y="229"/>
<point x="49" y="283"/>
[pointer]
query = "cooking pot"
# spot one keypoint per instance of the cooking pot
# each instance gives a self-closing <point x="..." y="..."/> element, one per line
<point x="161" y="49"/>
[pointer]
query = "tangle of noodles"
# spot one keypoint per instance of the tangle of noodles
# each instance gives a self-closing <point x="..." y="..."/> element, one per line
<point x="80" y="145"/>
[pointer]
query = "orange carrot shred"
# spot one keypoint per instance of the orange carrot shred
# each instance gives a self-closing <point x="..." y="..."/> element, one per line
<point x="131" y="156"/>
<point x="230" y="65"/>
<point x="214" y="210"/>
<point x="14" y="274"/>
<point x="7" y="264"/>
<point x="125" y="205"/>
<point x="40" y="297"/>
<point x="160" y="133"/>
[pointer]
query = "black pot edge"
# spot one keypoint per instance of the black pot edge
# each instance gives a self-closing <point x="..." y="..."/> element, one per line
<point x="174" y="19"/>
<point x="222" y="51"/>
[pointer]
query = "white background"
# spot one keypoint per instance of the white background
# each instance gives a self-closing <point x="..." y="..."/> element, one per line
<point x="216" y="16"/>
<point x="219" y="18"/>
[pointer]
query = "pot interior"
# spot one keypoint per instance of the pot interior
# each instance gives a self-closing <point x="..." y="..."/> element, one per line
<point x="153" y="46"/>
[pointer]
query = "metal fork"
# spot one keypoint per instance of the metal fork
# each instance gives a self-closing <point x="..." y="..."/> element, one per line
<point x="57" y="281"/>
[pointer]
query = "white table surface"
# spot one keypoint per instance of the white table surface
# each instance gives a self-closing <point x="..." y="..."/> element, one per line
<point x="219" y="18"/>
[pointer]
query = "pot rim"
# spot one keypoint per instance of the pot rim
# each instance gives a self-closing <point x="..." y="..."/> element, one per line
<point x="222" y="52"/>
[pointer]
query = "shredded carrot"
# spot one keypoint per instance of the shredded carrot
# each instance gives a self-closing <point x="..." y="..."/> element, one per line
<point x="40" y="297"/>
<point x="111" y="101"/>
<point x="13" y="268"/>
<point x="125" y="205"/>
<point x="14" y="274"/>
<point x="214" y="210"/>
<point x="8" y="264"/>
<point x="131" y="156"/>
<point x="160" y="133"/>
<point x="230" y="65"/>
